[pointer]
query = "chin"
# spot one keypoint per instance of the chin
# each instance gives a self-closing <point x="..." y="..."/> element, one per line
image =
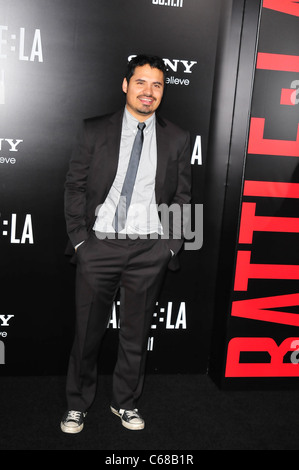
<point x="145" y="112"/>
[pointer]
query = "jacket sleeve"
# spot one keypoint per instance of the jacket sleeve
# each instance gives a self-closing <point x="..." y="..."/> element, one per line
<point x="76" y="187"/>
<point x="181" y="199"/>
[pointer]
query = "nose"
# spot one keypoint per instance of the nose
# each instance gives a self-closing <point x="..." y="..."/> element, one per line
<point x="148" y="89"/>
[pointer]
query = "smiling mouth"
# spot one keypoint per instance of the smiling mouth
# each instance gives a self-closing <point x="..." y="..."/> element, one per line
<point x="146" y="100"/>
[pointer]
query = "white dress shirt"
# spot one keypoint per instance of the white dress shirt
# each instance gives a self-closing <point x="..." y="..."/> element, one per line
<point x="142" y="215"/>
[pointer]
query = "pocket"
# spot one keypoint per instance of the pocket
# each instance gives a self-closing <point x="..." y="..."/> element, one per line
<point x="168" y="252"/>
<point x="82" y="247"/>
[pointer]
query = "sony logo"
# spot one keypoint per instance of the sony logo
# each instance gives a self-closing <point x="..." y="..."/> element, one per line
<point x="174" y="63"/>
<point x="10" y="144"/>
<point x="5" y="319"/>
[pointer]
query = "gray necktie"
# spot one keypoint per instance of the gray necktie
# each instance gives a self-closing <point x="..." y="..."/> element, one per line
<point x="127" y="189"/>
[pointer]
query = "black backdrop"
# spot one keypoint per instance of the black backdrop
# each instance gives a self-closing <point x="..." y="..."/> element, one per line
<point x="61" y="61"/>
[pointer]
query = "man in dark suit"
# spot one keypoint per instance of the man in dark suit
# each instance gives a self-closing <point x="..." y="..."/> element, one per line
<point x="123" y="247"/>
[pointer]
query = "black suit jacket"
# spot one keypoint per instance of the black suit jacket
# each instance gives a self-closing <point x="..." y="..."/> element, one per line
<point x="93" y="167"/>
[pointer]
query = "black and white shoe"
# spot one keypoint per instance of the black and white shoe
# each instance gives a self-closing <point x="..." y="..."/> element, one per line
<point x="72" y="421"/>
<point x="131" y="419"/>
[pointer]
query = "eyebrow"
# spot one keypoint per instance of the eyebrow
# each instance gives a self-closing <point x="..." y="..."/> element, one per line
<point x="143" y="80"/>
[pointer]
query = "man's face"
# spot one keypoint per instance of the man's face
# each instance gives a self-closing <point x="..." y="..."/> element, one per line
<point x="144" y="91"/>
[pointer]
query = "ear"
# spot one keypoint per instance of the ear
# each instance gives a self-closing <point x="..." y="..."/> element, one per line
<point x="125" y="85"/>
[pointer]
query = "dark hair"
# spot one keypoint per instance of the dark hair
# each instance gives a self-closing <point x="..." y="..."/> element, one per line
<point x="142" y="59"/>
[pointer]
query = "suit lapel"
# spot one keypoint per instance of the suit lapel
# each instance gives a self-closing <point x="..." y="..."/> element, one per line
<point x="113" y="144"/>
<point x="162" y="157"/>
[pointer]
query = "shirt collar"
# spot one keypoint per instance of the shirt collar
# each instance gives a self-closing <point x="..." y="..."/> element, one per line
<point x="131" y="122"/>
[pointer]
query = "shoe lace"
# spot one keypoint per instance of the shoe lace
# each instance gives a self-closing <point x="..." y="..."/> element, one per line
<point x="132" y="413"/>
<point x="73" y="415"/>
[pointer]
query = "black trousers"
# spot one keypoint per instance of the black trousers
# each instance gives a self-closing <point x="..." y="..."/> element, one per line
<point x="137" y="267"/>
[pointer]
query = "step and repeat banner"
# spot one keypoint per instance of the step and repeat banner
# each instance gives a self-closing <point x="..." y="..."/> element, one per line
<point x="62" y="61"/>
<point x="261" y="326"/>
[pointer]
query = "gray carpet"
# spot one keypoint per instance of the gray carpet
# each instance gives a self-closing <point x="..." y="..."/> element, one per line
<point x="182" y="413"/>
